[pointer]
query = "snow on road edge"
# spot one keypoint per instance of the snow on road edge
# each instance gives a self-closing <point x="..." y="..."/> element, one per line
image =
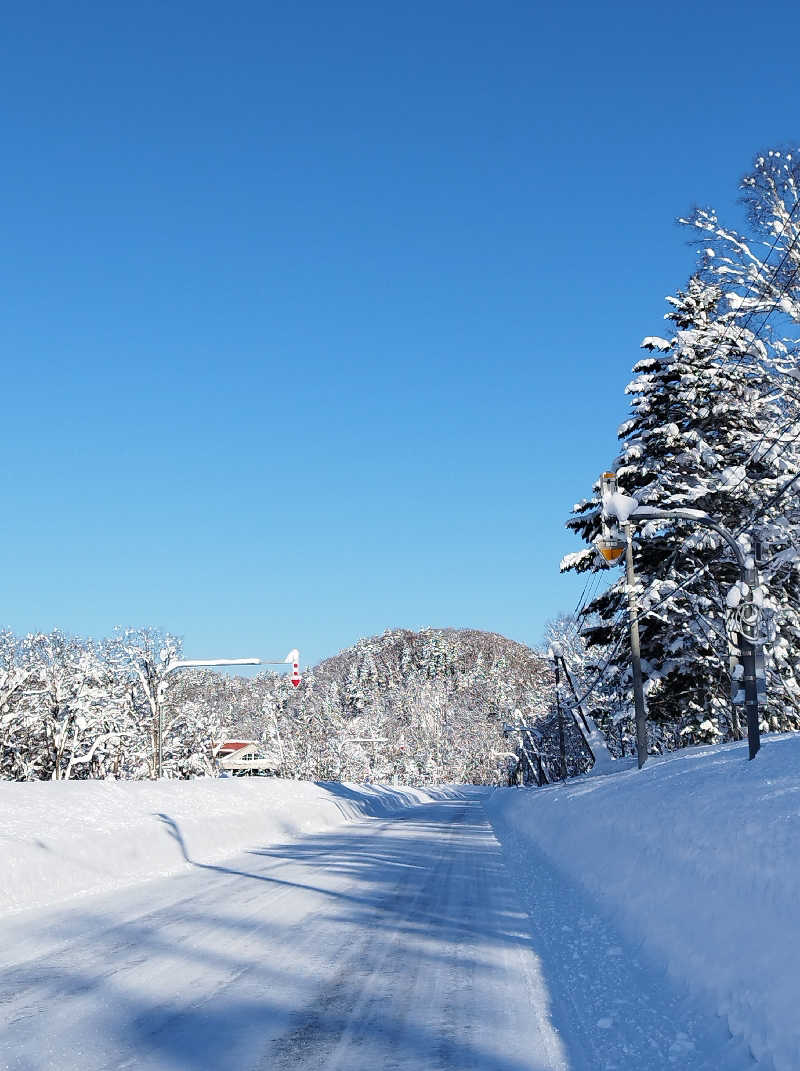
<point x="64" y="839"/>
<point x="697" y="858"/>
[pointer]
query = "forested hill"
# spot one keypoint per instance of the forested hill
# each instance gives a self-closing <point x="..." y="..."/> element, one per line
<point x="425" y="707"/>
<point x="495" y="673"/>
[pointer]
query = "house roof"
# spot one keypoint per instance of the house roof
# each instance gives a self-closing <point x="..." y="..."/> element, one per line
<point x="235" y="745"/>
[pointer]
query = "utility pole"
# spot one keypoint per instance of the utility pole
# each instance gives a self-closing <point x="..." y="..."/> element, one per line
<point x="556" y="653"/>
<point x="585" y="730"/>
<point x="636" y="653"/>
<point x="562" y="748"/>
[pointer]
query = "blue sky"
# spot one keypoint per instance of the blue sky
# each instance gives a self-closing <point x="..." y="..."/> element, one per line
<point x="317" y="318"/>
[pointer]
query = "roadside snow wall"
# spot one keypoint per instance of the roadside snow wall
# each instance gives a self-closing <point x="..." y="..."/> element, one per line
<point x="697" y="857"/>
<point x="60" y="839"/>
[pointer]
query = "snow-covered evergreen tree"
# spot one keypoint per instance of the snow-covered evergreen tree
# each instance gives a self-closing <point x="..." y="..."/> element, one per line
<point x="759" y="271"/>
<point x="700" y="404"/>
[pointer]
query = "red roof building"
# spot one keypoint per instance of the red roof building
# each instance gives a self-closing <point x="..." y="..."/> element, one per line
<point x="243" y="757"/>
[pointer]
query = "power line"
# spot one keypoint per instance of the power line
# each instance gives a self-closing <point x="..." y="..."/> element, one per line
<point x="775" y="498"/>
<point x="593" y="592"/>
<point x="584" y="600"/>
<point x="751" y="455"/>
<point x="678" y="587"/>
<point x="599" y="676"/>
<point x="745" y="325"/>
<point x="770" y="282"/>
<point x="580" y="602"/>
<point x="702" y="621"/>
<point x="756" y="336"/>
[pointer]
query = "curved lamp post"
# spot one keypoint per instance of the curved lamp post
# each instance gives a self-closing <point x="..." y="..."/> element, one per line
<point x="748" y="574"/>
<point x="622" y="508"/>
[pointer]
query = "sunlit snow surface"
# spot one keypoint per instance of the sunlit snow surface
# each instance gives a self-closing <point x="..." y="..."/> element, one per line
<point x="696" y="860"/>
<point x="66" y="838"/>
<point x="383" y="944"/>
<point x="418" y="940"/>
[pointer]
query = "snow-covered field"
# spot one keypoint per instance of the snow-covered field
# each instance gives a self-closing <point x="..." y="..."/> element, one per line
<point x="66" y="838"/>
<point x="697" y="859"/>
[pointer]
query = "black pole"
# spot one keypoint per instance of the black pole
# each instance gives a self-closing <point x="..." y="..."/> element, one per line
<point x="750" y="577"/>
<point x="562" y="747"/>
<point x="542" y="772"/>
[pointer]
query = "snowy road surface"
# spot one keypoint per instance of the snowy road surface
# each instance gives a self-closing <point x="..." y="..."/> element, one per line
<point x="393" y="944"/>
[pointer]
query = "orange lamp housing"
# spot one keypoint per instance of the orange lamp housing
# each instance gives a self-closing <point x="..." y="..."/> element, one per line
<point x="611" y="549"/>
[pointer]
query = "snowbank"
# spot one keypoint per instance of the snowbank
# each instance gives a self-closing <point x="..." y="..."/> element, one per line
<point x="63" y="839"/>
<point x="698" y="857"/>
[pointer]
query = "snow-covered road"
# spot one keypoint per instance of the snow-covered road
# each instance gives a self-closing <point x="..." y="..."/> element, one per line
<point x="392" y="944"/>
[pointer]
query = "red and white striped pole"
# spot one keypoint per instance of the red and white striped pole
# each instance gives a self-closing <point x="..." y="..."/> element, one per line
<point x="295" y="677"/>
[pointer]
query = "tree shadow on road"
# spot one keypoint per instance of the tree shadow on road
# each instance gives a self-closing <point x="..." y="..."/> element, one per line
<point x="348" y="943"/>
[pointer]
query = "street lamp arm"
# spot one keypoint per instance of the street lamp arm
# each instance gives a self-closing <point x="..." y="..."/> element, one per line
<point x="195" y="663"/>
<point x="749" y="576"/>
<point x="693" y="517"/>
<point x="627" y="509"/>
<point x="293" y="657"/>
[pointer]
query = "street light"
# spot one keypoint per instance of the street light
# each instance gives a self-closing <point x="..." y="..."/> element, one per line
<point x="624" y="508"/>
<point x="610" y="548"/>
<point x="609" y="545"/>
